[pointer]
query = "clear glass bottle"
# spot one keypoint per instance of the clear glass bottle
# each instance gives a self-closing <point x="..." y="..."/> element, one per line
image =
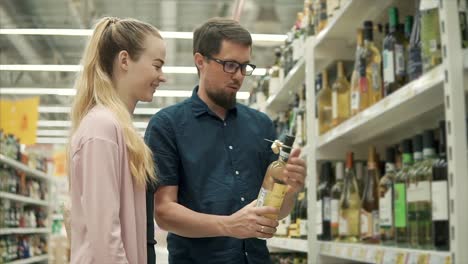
<point x="359" y="98"/>
<point x="387" y="230"/>
<point x="413" y="192"/>
<point x="340" y="97"/>
<point x="350" y="204"/>
<point x="274" y="187"/>
<point x="431" y="45"/>
<point x="324" y="105"/>
<point x="373" y="61"/>
<point x="336" y="193"/>
<point x="370" y="230"/>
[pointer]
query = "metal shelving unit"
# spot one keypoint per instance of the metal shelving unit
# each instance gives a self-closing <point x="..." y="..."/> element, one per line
<point x="30" y="260"/>
<point x="289" y="244"/>
<point x="23" y="231"/>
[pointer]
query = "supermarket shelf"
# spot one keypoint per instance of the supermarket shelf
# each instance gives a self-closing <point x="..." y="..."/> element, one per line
<point x="299" y="245"/>
<point x="381" y="254"/>
<point x="23" y="199"/>
<point x="391" y="113"/>
<point x="30" y="260"/>
<point x="13" y="231"/>
<point x="465" y="58"/>
<point x="293" y="80"/>
<point x="20" y="166"/>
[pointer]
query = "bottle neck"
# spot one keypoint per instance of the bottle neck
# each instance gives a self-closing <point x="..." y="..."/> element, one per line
<point x="407" y="159"/>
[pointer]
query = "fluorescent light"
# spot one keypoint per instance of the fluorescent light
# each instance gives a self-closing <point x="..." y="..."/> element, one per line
<point x="76" y="68"/>
<point x="66" y="110"/>
<point x="52" y="132"/>
<point x="51" y="140"/>
<point x="53" y="123"/>
<point x="88" y="32"/>
<point x="72" y="92"/>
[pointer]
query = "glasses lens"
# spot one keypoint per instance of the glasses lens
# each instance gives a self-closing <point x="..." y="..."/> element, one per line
<point x="230" y="66"/>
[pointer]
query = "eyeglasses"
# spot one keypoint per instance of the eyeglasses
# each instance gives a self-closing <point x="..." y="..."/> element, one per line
<point x="232" y="66"/>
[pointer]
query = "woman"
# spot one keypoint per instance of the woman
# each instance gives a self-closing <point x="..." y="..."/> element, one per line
<point x="109" y="162"/>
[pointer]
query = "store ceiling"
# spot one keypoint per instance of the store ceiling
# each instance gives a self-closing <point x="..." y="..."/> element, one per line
<point x="261" y="16"/>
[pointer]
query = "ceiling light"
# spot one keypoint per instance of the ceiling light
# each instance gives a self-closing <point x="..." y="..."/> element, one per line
<point x="66" y="123"/>
<point x="66" y="110"/>
<point x="88" y="32"/>
<point x="51" y="140"/>
<point x="72" y="92"/>
<point x="75" y="68"/>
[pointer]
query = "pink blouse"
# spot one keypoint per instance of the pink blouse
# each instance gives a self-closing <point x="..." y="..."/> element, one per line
<point x="108" y="210"/>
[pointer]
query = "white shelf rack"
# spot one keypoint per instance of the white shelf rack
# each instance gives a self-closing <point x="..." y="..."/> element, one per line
<point x="23" y="231"/>
<point x="20" y="166"/>
<point x="293" y="81"/>
<point x="30" y="260"/>
<point x="290" y="244"/>
<point x="437" y="95"/>
<point x="23" y="199"/>
<point x="379" y="254"/>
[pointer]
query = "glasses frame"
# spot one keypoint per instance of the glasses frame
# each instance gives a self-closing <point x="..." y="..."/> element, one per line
<point x="241" y="66"/>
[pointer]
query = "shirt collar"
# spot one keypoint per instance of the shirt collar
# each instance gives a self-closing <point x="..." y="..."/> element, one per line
<point x="200" y="108"/>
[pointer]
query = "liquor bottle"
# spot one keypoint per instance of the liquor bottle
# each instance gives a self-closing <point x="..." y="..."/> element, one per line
<point x="387" y="229"/>
<point x="274" y="187"/>
<point x="350" y="205"/>
<point x="413" y="192"/>
<point x="336" y="192"/>
<point x="373" y="60"/>
<point x="324" y="105"/>
<point x="323" y="15"/>
<point x="399" y="202"/>
<point x="440" y="205"/>
<point x="409" y="20"/>
<point x="323" y="202"/>
<point x="340" y="97"/>
<point x="302" y="214"/>
<point x="360" y="171"/>
<point x="414" y="50"/>
<point x="430" y="35"/>
<point x="370" y="228"/>
<point x="359" y="101"/>
<point x="277" y="73"/>
<point x="423" y="179"/>
<point x="394" y="71"/>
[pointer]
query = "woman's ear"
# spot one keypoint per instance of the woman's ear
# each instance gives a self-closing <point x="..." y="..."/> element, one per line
<point x="123" y="60"/>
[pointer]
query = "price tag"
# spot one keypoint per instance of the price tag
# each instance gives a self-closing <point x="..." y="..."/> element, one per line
<point x="423" y="259"/>
<point x="389" y="257"/>
<point x="356" y="253"/>
<point x="379" y="256"/>
<point x="438" y="259"/>
<point x="370" y="257"/>
<point x="401" y="258"/>
<point x="362" y="254"/>
<point x="412" y="258"/>
<point x="350" y="252"/>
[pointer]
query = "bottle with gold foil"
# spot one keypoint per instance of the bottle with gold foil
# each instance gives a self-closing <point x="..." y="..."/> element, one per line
<point x="356" y="98"/>
<point x="371" y="54"/>
<point x="431" y="46"/>
<point x="350" y="205"/>
<point x="340" y="97"/>
<point x="386" y="194"/>
<point x="336" y="192"/>
<point x="324" y="105"/>
<point x="274" y="187"/>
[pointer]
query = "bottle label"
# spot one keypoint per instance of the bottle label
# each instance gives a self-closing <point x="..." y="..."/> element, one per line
<point x="385" y="207"/>
<point x="273" y="198"/>
<point x="303" y="227"/>
<point x="400" y="60"/>
<point x="284" y="155"/>
<point x="419" y="192"/>
<point x="334" y="105"/>
<point x="388" y="64"/>
<point x="355" y="97"/>
<point x="440" y="201"/>
<point x="375" y="224"/>
<point x="400" y="204"/>
<point x="334" y="212"/>
<point x="414" y="63"/>
<point x="343" y="227"/>
<point x="366" y="223"/>
<point x="318" y="218"/>
<point x="376" y="80"/>
<point x="326" y="209"/>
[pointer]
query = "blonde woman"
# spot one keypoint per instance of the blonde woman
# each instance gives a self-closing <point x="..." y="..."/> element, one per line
<point x="109" y="162"/>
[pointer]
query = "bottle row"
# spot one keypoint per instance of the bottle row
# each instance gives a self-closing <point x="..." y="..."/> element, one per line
<point x="288" y="258"/>
<point x="16" y="182"/>
<point x="406" y="206"/>
<point x="14" y="215"/>
<point x="21" y="247"/>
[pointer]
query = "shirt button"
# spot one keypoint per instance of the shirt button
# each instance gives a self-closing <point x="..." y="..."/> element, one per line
<point x="242" y="199"/>
<point x="230" y="147"/>
<point x="237" y="172"/>
<point x="246" y="253"/>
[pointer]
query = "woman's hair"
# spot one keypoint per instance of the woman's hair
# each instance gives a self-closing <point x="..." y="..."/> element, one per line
<point x="94" y="85"/>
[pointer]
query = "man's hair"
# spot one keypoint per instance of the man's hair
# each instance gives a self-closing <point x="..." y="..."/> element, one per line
<point x="208" y="37"/>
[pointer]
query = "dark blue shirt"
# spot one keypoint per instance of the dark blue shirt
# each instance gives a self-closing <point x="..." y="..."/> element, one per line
<point x="218" y="166"/>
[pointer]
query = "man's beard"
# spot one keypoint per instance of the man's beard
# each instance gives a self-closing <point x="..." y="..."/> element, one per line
<point x="221" y="98"/>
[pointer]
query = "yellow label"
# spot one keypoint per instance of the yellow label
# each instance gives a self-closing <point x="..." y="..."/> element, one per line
<point x="275" y="197"/>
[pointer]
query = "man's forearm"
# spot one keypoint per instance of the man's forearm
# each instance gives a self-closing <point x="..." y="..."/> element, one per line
<point x="182" y="221"/>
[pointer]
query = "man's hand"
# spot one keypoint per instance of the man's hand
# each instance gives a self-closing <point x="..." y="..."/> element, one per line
<point x="295" y="172"/>
<point x="249" y="222"/>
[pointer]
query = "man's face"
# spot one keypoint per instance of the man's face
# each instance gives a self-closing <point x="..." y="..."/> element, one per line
<point x="221" y="87"/>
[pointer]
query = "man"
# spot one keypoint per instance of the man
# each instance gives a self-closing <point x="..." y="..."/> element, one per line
<point x="211" y="157"/>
